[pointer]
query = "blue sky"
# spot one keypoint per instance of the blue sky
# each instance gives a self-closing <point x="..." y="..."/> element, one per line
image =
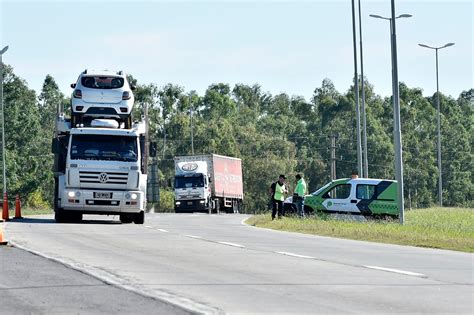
<point x="285" y="46"/>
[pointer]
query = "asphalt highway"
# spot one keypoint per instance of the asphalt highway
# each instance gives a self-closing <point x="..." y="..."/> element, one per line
<point x="215" y="264"/>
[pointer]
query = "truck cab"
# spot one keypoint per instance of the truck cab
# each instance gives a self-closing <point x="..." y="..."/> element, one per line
<point x="100" y="170"/>
<point x="192" y="187"/>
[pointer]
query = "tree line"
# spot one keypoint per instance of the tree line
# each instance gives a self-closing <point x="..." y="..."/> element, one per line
<point x="272" y="134"/>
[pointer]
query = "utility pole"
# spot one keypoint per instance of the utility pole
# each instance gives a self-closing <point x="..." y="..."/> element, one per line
<point x="397" y="131"/>
<point x="3" y="121"/>
<point x="333" y="157"/>
<point x="192" y="132"/>
<point x="147" y="140"/>
<point x="164" y="140"/>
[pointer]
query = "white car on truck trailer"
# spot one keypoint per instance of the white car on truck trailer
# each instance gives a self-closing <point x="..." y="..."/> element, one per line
<point x="208" y="183"/>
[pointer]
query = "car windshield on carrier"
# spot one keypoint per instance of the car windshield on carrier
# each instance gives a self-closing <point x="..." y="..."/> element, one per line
<point x="102" y="147"/>
<point x="99" y="82"/>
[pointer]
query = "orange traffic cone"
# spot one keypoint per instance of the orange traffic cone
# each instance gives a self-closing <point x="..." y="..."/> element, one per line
<point x="18" y="208"/>
<point x="2" y="238"/>
<point x="5" y="208"/>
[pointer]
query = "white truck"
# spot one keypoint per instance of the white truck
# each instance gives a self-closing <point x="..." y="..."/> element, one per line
<point x="208" y="183"/>
<point x="99" y="169"/>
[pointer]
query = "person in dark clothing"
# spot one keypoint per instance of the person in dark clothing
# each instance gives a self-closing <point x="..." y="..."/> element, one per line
<point x="277" y="191"/>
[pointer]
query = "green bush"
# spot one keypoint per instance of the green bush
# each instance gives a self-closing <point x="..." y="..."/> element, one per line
<point x="35" y="201"/>
<point x="166" y="203"/>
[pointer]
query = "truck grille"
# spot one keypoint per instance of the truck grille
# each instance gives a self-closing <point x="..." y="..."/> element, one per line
<point x="89" y="177"/>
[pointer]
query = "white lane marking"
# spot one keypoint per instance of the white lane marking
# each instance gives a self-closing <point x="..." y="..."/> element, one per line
<point x="404" y="272"/>
<point x="162" y="230"/>
<point x="295" y="255"/>
<point x="192" y="236"/>
<point x="232" y="244"/>
<point x="148" y="227"/>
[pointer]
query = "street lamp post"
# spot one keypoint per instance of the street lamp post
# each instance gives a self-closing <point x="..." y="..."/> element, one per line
<point x="365" y="164"/>
<point x="397" y="136"/>
<point x="440" y="177"/>
<point x="356" y="92"/>
<point x="3" y="120"/>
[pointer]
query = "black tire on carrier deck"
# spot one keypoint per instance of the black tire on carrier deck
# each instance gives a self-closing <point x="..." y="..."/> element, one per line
<point x="128" y="122"/>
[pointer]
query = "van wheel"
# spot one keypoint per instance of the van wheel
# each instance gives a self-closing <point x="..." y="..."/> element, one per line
<point x="139" y="218"/>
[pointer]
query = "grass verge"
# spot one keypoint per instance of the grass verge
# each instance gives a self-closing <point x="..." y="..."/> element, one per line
<point x="30" y="211"/>
<point x="445" y="228"/>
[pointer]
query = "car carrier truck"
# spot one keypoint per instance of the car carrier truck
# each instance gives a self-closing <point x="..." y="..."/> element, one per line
<point x="208" y="183"/>
<point x="99" y="169"/>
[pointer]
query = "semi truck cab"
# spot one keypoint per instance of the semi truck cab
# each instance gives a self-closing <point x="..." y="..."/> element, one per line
<point x="192" y="187"/>
<point x="103" y="172"/>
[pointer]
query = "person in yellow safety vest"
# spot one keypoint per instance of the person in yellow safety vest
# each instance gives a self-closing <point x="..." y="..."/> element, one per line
<point x="298" y="196"/>
<point x="278" y="191"/>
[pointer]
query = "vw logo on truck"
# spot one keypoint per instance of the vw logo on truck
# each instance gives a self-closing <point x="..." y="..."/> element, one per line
<point x="189" y="167"/>
<point x="103" y="177"/>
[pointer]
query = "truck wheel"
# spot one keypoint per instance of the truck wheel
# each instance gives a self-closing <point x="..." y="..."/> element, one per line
<point x="75" y="217"/>
<point x="56" y="194"/>
<point x="139" y="218"/>
<point x="218" y="206"/>
<point x="126" y="218"/>
<point x="235" y="206"/>
<point x="60" y="216"/>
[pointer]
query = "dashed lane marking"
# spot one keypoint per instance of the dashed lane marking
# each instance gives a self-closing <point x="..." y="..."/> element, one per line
<point x="295" y="255"/>
<point x="404" y="272"/>
<point x="193" y="236"/>
<point x="231" y="244"/>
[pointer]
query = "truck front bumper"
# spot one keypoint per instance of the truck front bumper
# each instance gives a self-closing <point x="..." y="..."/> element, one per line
<point x="94" y="201"/>
<point x="191" y="205"/>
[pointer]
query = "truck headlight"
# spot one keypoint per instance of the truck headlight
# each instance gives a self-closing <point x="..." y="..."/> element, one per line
<point x="178" y="203"/>
<point x="134" y="196"/>
<point x="71" y="194"/>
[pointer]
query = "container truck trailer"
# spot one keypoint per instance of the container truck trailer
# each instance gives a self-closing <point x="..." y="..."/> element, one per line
<point x="208" y="183"/>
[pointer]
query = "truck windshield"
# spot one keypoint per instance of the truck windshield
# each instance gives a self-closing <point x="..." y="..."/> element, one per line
<point x="189" y="182"/>
<point x="104" y="147"/>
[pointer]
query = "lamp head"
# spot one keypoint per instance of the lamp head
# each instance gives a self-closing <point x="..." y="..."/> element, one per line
<point x="448" y="45"/>
<point x="3" y="50"/>
<point x="376" y="16"/>
<point x="426" y="46"/>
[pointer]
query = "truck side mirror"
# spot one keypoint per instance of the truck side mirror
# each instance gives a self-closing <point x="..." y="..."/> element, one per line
<point x="73" y="85"/>
<point x="55" y="146"/>
<point x="133" y="87"/>
<point x="152" y="149"/>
